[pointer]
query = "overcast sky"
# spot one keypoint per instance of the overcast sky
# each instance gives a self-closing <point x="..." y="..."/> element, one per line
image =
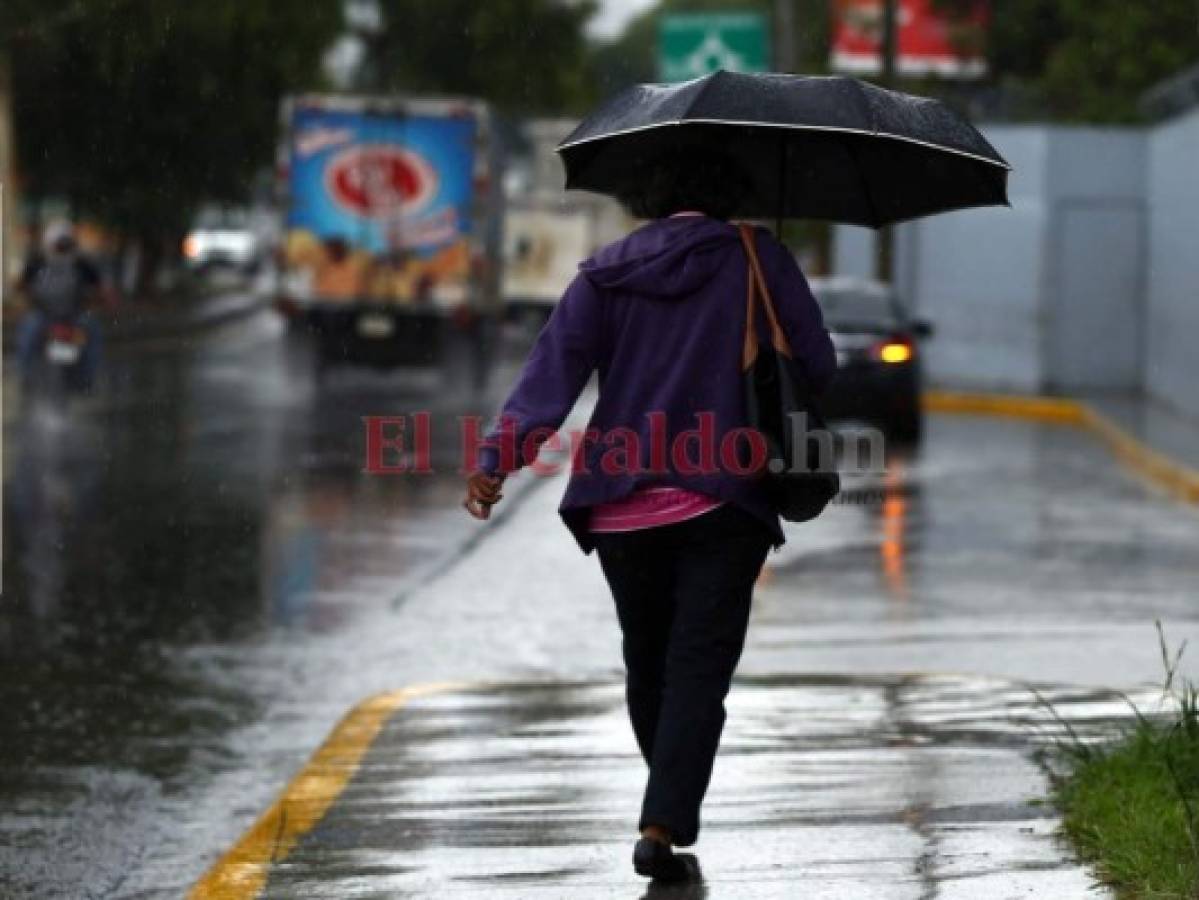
<point x="613" y="15"/>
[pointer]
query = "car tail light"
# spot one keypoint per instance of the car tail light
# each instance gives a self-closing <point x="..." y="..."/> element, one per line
<point x="894" y="351"/>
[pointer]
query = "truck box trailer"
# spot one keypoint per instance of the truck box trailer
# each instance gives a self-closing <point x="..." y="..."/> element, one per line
<point x="392" y="225"/>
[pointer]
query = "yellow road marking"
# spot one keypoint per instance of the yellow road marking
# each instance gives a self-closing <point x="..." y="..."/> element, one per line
<point x="242" y="872"/>
<point x="1178" y="480"/>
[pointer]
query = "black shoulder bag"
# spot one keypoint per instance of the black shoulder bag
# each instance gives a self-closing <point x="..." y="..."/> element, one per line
<point x="800" y="467"/>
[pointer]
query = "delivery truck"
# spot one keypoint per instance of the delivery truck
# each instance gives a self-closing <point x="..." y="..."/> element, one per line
<point x="547" y="230"/>
<point x="392" y="226"/>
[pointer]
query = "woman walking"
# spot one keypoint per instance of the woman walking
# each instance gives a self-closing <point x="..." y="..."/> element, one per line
<point x="661" y="487"/>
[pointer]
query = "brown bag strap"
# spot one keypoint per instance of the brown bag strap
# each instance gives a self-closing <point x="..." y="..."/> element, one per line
<point x="756" y="284"/>
<point x="749" y="349"/>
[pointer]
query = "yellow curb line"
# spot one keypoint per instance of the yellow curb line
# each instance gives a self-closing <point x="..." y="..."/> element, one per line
<point x="242" y="872"/>
<point x="1044" y="409"/>
<point x="1176" y="479"/>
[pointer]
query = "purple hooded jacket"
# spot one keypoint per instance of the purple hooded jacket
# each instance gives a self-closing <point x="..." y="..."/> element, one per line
<point x="660" y="315"/>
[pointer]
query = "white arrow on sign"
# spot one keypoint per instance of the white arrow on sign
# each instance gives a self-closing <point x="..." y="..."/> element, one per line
<point x="710" y="55"/>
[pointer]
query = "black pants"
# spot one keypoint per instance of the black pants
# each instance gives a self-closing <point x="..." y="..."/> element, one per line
<point x="682" y="594"/>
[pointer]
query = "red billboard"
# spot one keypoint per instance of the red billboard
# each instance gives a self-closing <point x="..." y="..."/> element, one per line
<point x="930" y="41"/>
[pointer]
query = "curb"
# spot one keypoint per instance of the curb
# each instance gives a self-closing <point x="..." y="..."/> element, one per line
<point x="164" y="326"/>
<point x="216" y="310"/>
<point x="243" y="870"/>
<point x="1176" y="479"/>
<point x="1062" y="410"/>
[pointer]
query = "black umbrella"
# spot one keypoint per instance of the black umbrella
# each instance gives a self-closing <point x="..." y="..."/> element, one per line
<point x="811" y="147"/>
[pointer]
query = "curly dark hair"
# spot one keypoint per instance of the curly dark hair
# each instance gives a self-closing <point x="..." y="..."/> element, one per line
<point x="700" y="179"/>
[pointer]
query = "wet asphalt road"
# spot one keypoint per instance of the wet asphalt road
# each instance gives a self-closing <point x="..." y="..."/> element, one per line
<point x="198" y="581"/>
<point x="170" y="551"/>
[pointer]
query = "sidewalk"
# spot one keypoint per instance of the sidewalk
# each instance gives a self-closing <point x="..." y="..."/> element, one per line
<point x="826" y="787"/>
<point x="897" y="763"/>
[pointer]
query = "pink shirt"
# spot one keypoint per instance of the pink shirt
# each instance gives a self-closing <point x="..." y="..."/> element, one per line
<point x="648" y="507"/>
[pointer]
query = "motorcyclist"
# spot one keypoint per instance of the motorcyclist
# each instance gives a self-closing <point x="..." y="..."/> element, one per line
<point x="60" y="285"/>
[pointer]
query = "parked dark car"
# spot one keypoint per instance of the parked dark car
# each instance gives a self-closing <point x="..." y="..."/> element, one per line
<point x="878" y="356"/>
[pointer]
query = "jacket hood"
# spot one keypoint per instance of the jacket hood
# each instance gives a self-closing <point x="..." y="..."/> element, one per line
<point x="665" y="258"/>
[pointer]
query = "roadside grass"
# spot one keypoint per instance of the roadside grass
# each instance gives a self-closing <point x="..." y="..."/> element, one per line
<point x="1131" y="806"/>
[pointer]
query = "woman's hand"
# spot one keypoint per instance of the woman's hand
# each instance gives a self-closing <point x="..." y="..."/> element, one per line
<point x="482" y="493"/>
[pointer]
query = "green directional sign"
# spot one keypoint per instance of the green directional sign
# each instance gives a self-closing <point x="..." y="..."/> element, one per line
<point x="694" y="44"/>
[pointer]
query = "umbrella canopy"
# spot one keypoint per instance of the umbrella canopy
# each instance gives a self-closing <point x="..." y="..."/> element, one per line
<point x="810" y="147"/>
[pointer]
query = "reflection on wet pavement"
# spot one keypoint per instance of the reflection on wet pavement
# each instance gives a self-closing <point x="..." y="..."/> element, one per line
<point x="200" y="580"/>
<point x="210" y="498"/>
<point x="887" y="787"/>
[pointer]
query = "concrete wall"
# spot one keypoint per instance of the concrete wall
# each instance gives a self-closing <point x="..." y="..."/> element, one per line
<point x="1172" y="320"/>
<point x="979" y="275"/>
<point x="853" y="251"/>
<point x="1093" y="302"/>
<point x="1088" y="282"/>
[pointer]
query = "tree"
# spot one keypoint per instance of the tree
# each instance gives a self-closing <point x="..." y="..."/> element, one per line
<point x="1086" y="60"/>
<point x="525" y="56"/>
<point x="138" y="111"/>
<point x="1114" y="51"/>
<point x="1064" y="60"/>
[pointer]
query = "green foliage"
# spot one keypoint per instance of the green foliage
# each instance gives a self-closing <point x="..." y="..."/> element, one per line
<point x="1133" y="806"/>
<point x="1087" y="60"/>
<point x="137" y="111"/>
<point x="1123" y="809"/>
<point x="525" y="56"/>
<point x="1065" y="60"/>
<point x="1113" y="52"/>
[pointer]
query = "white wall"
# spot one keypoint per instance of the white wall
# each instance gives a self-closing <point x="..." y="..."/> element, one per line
<point x="979" y="274"/>
<point x="853" y="251"/>
<point x="1088" y="282"/>
<point x="1094" y="302"/>
<point x="1172" y="321"/>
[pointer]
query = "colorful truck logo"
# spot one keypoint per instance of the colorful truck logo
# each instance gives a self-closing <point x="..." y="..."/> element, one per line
<point x="380" y="203"/>
<point x="380" y="181"/>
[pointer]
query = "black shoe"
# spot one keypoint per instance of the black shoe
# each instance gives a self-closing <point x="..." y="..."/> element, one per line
<point x="652" y="859"/>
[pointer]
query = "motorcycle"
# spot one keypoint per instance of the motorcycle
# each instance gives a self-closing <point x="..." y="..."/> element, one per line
<point x="64" y="344"/>
<point x="61" y="369"/>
